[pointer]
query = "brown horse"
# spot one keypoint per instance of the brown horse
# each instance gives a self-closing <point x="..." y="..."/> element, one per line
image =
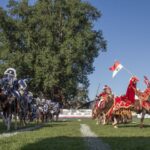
<point x="9" y="107"/>
<point x="143" y="104"/>
<point x="101" y="108"/>
<point x="124" y="104"/>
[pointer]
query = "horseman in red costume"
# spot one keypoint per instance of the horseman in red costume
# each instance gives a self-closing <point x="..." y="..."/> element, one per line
<point x="130" y="94"/>
<point x="103" y="103"/>
<point x="144" y="96"/>
<point x="103" y="96"/>
<point x="125" y="101"/>
<point x="128" y="99"/>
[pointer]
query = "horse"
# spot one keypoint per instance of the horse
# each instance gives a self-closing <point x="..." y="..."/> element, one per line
<point x="124" y="114"/>
<point x="26" y="98"/>
<point x="121" y="115"/>
<point x="9" y="106"/>
<point x="42" y="110"/>
<point x="142" y="104"/>
<point x="124" y="104"/>
<point x="46" y="110"/>
<point x="25" y="105"/>
<point x="101" y="108"/>
<point x="54" y="111"/>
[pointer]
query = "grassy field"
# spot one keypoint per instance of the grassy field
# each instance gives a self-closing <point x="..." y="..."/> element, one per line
<point x="53" y="136"/>
<point x="3" y="127"/>
<point x="65" y="135"/>
<point x="126" y="137"/>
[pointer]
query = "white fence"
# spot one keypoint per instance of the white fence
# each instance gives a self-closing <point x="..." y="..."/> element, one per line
<point x="146" y="116"/>
<point x="139" y="115"/>
<point x="85" y="113"/>
<point x="75" y="113"/>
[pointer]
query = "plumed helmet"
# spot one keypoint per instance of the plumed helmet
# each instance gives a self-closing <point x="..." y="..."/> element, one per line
<point x="106" y="87"/>
<point x="10" y="71"/>
<point x="134" y="79"/>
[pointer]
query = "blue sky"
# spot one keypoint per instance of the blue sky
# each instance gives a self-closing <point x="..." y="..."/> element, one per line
<point x="126" y="27"/>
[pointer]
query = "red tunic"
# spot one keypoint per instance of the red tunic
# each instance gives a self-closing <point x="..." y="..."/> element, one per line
<point x="130" y="93"/>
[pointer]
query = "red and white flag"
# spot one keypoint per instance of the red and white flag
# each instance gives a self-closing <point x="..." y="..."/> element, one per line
<point x="115" y="68"/>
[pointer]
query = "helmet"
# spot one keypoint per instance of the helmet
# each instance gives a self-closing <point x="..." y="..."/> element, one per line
<point x="134" y="79"/>
<point x="11" y="72"/>
<point x="105" y="87"/>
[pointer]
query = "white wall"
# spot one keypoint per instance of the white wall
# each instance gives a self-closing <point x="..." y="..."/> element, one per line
<point x="75" y="113"/>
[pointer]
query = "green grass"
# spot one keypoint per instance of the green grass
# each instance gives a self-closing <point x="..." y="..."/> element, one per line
<point x="3" y="128"/>
<point x="53" y="136"/>
<point x="66" y="136"/>
<point x="126" y="137"/>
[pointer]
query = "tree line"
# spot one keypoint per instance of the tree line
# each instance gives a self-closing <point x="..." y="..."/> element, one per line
<point x="52" y="42"/>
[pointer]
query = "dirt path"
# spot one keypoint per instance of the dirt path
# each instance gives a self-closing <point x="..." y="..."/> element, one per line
<point x="92" y="140"/>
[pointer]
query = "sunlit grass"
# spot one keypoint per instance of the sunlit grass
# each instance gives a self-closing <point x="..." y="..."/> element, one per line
<point x="3" y="128"/>
<point x="65" y="135"/>
<point x="53" y="136"/>
<point x="126" y="137"/>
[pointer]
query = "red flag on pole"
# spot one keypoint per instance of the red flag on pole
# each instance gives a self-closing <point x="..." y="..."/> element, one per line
<point x="116" y="68"/>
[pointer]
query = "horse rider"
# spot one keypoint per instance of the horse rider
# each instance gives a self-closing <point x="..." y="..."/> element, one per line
<point x="104" y="95"/>
<point x="130" y="93"/>
<point x="26" y="96"/>
<point x="10" y="83"/>
<point x="22" y="86"/>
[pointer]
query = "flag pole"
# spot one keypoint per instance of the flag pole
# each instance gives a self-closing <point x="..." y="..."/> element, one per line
<point x="128" y="71"/>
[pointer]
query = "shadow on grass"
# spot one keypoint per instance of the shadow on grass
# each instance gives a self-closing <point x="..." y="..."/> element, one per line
<point x="30" y="127"/>
<point x="57" y="143"/>
<point x="77" y="143"/>
<point x="133" y="125"/>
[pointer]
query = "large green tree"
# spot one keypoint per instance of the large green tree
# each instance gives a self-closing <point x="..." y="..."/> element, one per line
<point x="51" y="41"/>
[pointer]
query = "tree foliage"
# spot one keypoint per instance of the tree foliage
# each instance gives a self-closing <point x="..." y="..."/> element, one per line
<point x="51" y="41"/>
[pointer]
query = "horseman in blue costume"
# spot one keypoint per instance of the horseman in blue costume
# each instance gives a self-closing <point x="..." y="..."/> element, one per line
<point x="26" y="98"/>
<point x="10" y="83"/>
<point x="9" y="97"/>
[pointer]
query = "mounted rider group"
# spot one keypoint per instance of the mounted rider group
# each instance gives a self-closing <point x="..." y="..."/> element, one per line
<point x="18" y="102"/>
<point x="118" y="109"/>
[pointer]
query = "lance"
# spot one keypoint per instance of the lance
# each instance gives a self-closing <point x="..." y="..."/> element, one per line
<point x="97" y="90"/>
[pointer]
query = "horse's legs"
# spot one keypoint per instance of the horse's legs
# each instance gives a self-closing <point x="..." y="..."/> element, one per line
<point x="104" y="119"/>
<point x="47" y="117"/>
<point x="15" y="113"/>
<point x="115" y="121"/>
<point x="21" y="118"/>
<point x="51" y="116"/>
<point x="15" y="117"/>
<point x="57" y="117"/>
<point x="142" y="118"/>
<point x="97" y="121"/>
<point x="4" y="119"/>
<point x="8" y="123"/>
